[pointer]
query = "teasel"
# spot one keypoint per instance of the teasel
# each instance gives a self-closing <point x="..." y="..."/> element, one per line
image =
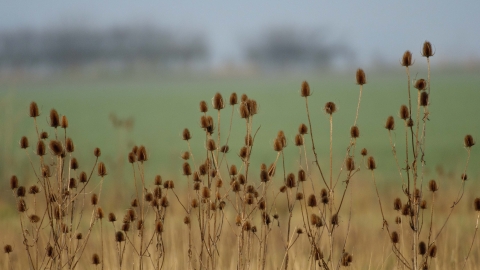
<point x="349" y="164"/>
<point x="142" y="154"/>
<point x="427" y="50"/>
<point x="390" y="123"/>
<point x="468" y="141"/>
<point x="97" y="152"/>
<point x="290" y="181"/>
<point x="54" y="118"/>
<point x="158" y="180"/>
<point x="407" y="59"/>
<point x="56" y="147"/>
<point x="102" y="169"/>
<point x="305" y="89"/>
<point x="360" y="76"/>
<point x="64" y="122"/>
<point x="119" y="237"/>
<point x="13" y="182"/>
<point x="233" y="99"/>
<point x="312" y="200"/>
<point x="354" y="132"/>
<point x="203" y="106"/>
<point x="24" y="142"/>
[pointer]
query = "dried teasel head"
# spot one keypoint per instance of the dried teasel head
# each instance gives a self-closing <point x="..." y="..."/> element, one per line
<point x="468" y="141"/>
<point x="56" y="147"/>
<point x="360" y="76"/>
<point x="186" y="134"/>
<point x="101" y="169"/>
<point x="432" y="185"/>
<point x="21" y="191"/>
<point x="24" y="142"/>
<point x="422" y="248"/>
<point x="243" y="153"/>
<point x="364" y="152"/>
<point x="334" y="220"/>
<point x="211" y="145"/>
<point x="7" y="249"/>
<point x="95" y="259"/>
<point x="203" y="106"/>
<point x="82" y="178"/>
<point x="164" y="202"/>
<point x="390" y="123"/>
<point x="100" y="213"/>
<point x="97" y="152"/>
<point x="349" y="164"/>
<point x="159" y="227"/>
<point x="371" y="165"/>
<point x="72" y="183"/>
<point x="73" y="164"/>
<point x="132" y="157"/>
<point x="330" y="107"/>
<point x="119" y="236"/>
<point x="398" y="220"/>
<point x="303" y="129"/>
<point x="34" y="112"/>
<point x="233" y="170"/>
<point x="112" y="217"/>
<point x="354" y="132"/>
<point x="69" y="146"/>
<point x="233" y="99"/>
<point x="394" y="237"/>
<point x="299" y="196"/>
<point x="187" y="170"/>
<point x="218" y="102"/>
<point x="298" y="140"/>
<point x="243" y="109"/>
<point x="404" y="112"/>
<point x="476" y="204"/>
<point x="54" y="118"/>
<point x="64" y="122"/>
<point x="302" y="175"/>
<point x="407" y="59"/>
<point x="424" y="99"/>
<point x="290" y="181"/>
<point x="427" y="50"/>
<point x="224" y="149"/>
<point x="13" y="182"/>
<point x="432" y="251"/>
<point x="397" y="204"/>
<point x="185" y="155"/>
<point x="21" y="205"/>
<point x="423" y="204"/>
<point x="142" y="154"/>
<point x="305" y="89"/>
<point x="420" y="84"/>
<point x="44" y="135"/>
<point x="94" y="199"/>
<point x="158" y="180"/>
<point x="312" y="200"/>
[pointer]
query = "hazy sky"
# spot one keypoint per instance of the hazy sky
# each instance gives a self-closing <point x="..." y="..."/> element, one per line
<point x="373" y="29"/>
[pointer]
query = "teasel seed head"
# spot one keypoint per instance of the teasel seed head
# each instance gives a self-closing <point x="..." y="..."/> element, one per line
<point x="407" y="59"/>
<point x="236" y="186"/>
<point x="49" y="250"/>
<point x="206" y="192"/>
<point x="432" y="185"/>
<point x="422" y="248"/>
<point x="243" y="109"/>
<point x="94" y="199"/>
<point x="262" y="205"/>
<point x="112" y="217"/>
<point x="248" y="140"/>
<point x="476" y="204"/>
<point x="298" y="140"/>
<point x="371" y="165"/>
<point x="238" y="220"/>
<point x="323" y="193"/>
<point x="40" y="148"/>
<point x="186" y="220"/>
<point x="394" y="237"/>
<point x="423" y="204"/>
<point x="283" y="189"/>
<point x="102" y="169"/>
<point x="44" y="135"/>
<point x="100" y="213"/>
<point x="233" y="99"/>
<point x="34" y="218"/>
<point x="97" y="152"/>
<point x="404" y="112"/>
<point x="305" y="89"/>
<point x="196" y="186"/>
<point x="406" y="210"/>
<point x="119" y="237"/>
<point x="73" y="164"/>
<point x="299" y="231"/>
<point x="126" y="227"/>
<point x="158" y="180"/>
<point x="277" y="145"/>
<point x="334" y="220"/>
<point x="159" y="227"/>
<point x="290" y="182"/>
<point x="132" y="157"/>
<point x="95" y="259"/>
<point x="21" y="191"/>
<point x="325" y="199"/>
<point x="302" y="175"/>
<point x="420" y="84"/>
<point x="398" y="220"/>
<point x="34" y="112"/>
<point x="364" y="152"/>
<point x="13" y="182"/>
<point x="142" y="154"/>
<point x="149" y="197"/>
<point x="21" y="205"/>
<point x="330" y="108"/>
<point x="203" y="106"/>
<point x="266" y="218"/>
<point x="224" y="149"/>
<point x="354" y="132"/>
<point x="164" y="202"/>
<point x="316" y="221"/>
<point x="185" y="155"/>
<point x="427" y="50"/>
<point x="390" y="124"/>
<point x="186" y="134"/>
<point x="468" y="141"/>
<point x="397" y="204"/>
<point x="432" y="251"/>
<point x="56" y="147"/>
<point x="157" y="192"/>
<point x="83" y="177"/>
<point x="312" y="200"/>
<point x="264" y="177"/>
<point x="299" y="196"/>
<point x="233" y="170"/>
<point x="360" y="76"/>
<point x="252" y="106"/>
<point x="410" y="122"/>
<point x="218" y="102"/>
<point x="54" y="118"/>
<point x="64" y="122"/>
<point x="72" y="183"/>
<point x="186" y="168"/>
<point x="24" y="142"/>
<point x="349" y="164"/>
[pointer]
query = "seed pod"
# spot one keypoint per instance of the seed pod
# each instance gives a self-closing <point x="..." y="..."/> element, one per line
<point x="422" y="248"/>
<point x="312" y="200"/>
<point x="72" y="183"/>
<point x="64" y="122"/>
<point x="398" y="220"/>
<point x="186" y="134"/>
<point x="142" y="154"/>
<point x="44" y="135"/>
<point x="305" y="89"/>
<point x="427" y="49"/>
<point x="371" y="165"/>
<point x="432" y="251"/>
<point x="54" y="118"/>
<point x="243" y="109"/>
<point x="158" y="180"/>
<point x="233" y="99"/>
<point x="423" y="204"/>
<point x="301" y="175"/>
<point x="264" y="177"/>
<point x="95" y="259"/>
<point x="132" y="157"/>
<point x="21" y="206"/>
<point x="233" y="170"/>
<point x="476" y="204"/>
<point x="186" y="169"/>
<point x="13" y="182"/>
<point x="334" y="220"/>
<point x="394" y="237"/>
<point x="21" y="191"/>
<point x="83" y="177"/>
<point x="94" y="199"/>
<point x="277" y="145"/>
<point x="119" y="237"/>
<point x="74" y="164"/>
<point x="24" y="142"/>
<point x="126" y="227"/>
<point x="224" y="149"/>
<point x="325" y="199"/>
<point x="390" y="124"/>
<point x="298" y="140"/>
<point x="185" y="155"/>
<point x="203" y="106"/>
<point x="468" y="141"/>
<point x="330" y="108"/>
<point x="34" y="109"/>
<point x="102" y="169"/>
<point x="349" y="164"/>
<point x="397" y="204"/>
<point x="69" y="146"/>
<point x="205" y="193"/>
<point x="299" y="196"/>
<point x="97" y="152"/>
<point x="56" y="147"/>
<point x="407" y="59"/>
<point x="404" y="112"/>
<point x="432" y="185"/>
<point x="420" y="84"/>
<point x="159" y="227"/>
<point x="409" y="122"/>
<point x="100" y="213"/>
<point x="218" y="102"/>
<point x="236" y="186"/>
<point x="364" y="152"/>
<point x="290" y="182"/>
<point x="283" y="189"/>
<point x="261" y="204"/>
<point x="164" y="202"/>
<point x="424" y="99"/>
<point x="112" y="217"/>
<point x="354" y="132"/>
<point x="360" y="76"/>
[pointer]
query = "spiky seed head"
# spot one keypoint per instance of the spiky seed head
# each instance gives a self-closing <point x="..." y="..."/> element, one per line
<point x="371" y="165"/>
<point x="299" y="231"/>
<point x="468" y="141"/>
<point x="186" y="134"/>
<point x="7" y="249"/>
<point x="423" y="204"/>
<point x="236" y="186"/>
<point x="427" y="50"/>
<point x="424" y="99"/>
<point x="397" y="204"/>
<point x="203" y="106"/>
<point x="394" y="237"/>
<point x="364" y="152"/>
<point x="404" y="112"/>
<point x="312" y="200"/>
<point x="233" y="170"/>
<point x="56" y="147"/>
<point x="205" y="193"/>
<point x="185" y="155"/>
<point x="218" y="102"/>
<point x="132" y="157"/>
<point x="323" y="192"/>
<point x="420" y="84"/>
<point x="102" y="169"/>
<point x="196" y="186"/>
<point x="252" y="106"/>
<point x="398" y="220"/>
<point x="21" y="191"/>
<point x="69" y="146"/>
<point x="316" y="221"/>
<point x="158" y="180"/>
<point x="262" y="205"/>
<point x="432" y="251"/>
<point x="94" y="199"/>
<point x="249" y="199"/>
<point x="112" y="217"/>
<point x="233" y="99"/>
<point x="224" y="149"/>
<point x="100" y="213"/>
<point x="278" y="145"/>
<point x="266" y="218"/>
<point x="305" y="89"/>
<point x="354" y="132"/>
<point x="221" y="205"/>
<point x="97" y="152"/>
<point x="334" y="220"/>
<point x="264" y="177"/>
<point x="476" y="204"/>
<point x="73" y="164"/>
<point x="159" y="227"/>
<point x="54" y="118"/>
<point x="148" y="197"/>
<point x="283" y="189"/>
<point x="360" y="76"/>
<point x="390" y="123"/>
<point x="79" y="236"/>
<point x="250" y="189"/>
<point x="422" y="248"/>
<point x="13" y="182"/>
<point x="349" y="164"/>
<point x="298" y="140"/>
<point x="406" y="210"/>
<point x="64" y="122"/>
<point x="325" y="199"/>
<point x="330" y="107"/>
<point x="119" y="237"/>
<point x="299" y="196"/>
<point x="303" y="129"/>
<point x="410" y="122"/>
<point x="95" y="259"/>
<point x="164" y="202"/>
<point x="248" y="140"/>
<point x="44" y="135"/>
<point x="302" y="175"/>
<point x="24" y="142"/>
<point x="34" y="218"/>
<point x="34" y="112"/>
<point x="432" y="185"/>
<point x="142" y="154"/>
<point x="49" y="251"/>
<point x="72" y="183"/>
<point x="83" y="177"/>
<point x="243" y="109"/>
<point x="21" y="206"/>
<point x="126" y="227"/>
<point x="243" y="152"/>
<point x="290" y="181"/>
<point x="186" y="220"/>
<point x="407" y="59"/>
<point x="186" y="168"/>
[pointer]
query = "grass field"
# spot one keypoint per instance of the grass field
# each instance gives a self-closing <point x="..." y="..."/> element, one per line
<point x="162" y="107"/>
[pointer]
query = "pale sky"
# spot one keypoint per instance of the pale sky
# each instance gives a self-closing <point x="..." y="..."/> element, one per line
<point x="381" y="29"/>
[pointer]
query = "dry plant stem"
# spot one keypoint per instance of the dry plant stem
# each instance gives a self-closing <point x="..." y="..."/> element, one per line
<point x="313" y="143"/>
<point x="394" y="151"/>
<point x="473" y="241"/>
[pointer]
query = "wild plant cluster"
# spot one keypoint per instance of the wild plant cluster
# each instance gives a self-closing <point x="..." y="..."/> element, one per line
<point x="235" y="213"/>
